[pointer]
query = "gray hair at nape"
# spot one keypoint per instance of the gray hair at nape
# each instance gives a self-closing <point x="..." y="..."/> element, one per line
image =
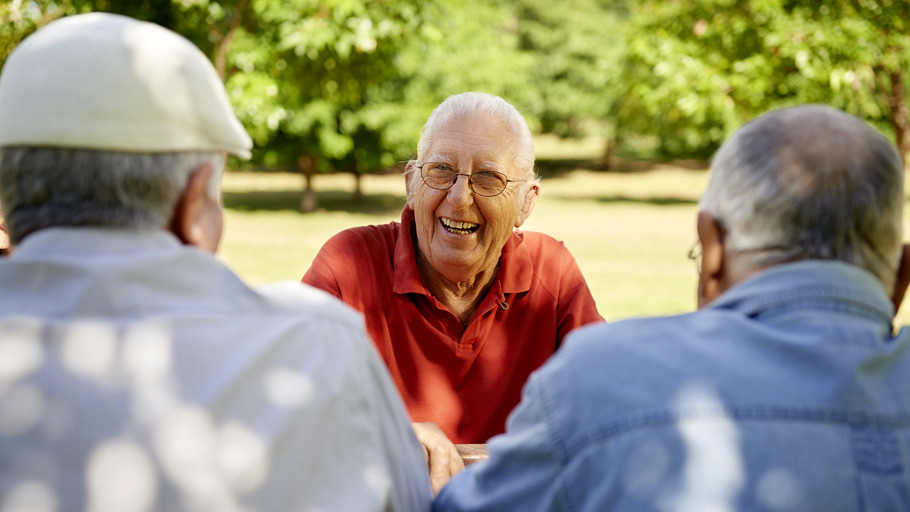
<point x="810" y="182"/>
<point x="467" y="103"/>
<point x="42" y="187"/>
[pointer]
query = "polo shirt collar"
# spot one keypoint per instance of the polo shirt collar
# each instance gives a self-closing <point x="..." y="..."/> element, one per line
<point x="515" y="268"/>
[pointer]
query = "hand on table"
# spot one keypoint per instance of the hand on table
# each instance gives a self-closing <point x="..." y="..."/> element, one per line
<point x="443" y="460"/>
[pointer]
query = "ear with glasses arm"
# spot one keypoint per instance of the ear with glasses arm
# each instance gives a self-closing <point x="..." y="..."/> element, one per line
<point x="716" y="276"/>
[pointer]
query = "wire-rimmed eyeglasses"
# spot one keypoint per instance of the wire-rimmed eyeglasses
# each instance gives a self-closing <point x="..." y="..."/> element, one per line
<point x="442" y="176"/>
<point x="694" y="254"/>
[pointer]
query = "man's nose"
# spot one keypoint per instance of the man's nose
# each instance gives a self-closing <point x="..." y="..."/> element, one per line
<point x="461" y="192"/>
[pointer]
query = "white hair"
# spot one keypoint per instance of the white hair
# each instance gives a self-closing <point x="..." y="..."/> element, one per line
<point x="481" y="103"/>
<point x="810" y="182"/>
<point x="44" y="187"/>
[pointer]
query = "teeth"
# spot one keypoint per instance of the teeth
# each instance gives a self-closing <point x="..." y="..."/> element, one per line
<point x="459" y="227"/>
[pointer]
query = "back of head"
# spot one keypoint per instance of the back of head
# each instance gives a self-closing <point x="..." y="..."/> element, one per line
<point x="468" y="103"/>
<point x="809" y="182"/>
<point x="102" y="118"/>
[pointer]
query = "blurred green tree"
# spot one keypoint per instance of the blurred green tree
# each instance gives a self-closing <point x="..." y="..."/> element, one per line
<point x="696" y="70"/>
<point x="557" y="62"/>
<point x="577" y="48"/>
<point x="18" y="19"/>
<point x="468" y="45"/>
<point x="316" y="82"/>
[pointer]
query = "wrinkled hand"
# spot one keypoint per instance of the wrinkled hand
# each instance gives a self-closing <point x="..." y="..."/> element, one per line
<point x="443" y="460"/>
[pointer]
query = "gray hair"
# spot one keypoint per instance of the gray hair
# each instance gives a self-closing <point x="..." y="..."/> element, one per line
<point x="810" y="182"/>
<point x="481" y="103"/>
<point x="59" y="187"/>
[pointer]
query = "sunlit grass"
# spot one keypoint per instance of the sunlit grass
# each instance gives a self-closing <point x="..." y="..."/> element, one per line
<point x="629" y="231"/>
<point x="266" y="237"/>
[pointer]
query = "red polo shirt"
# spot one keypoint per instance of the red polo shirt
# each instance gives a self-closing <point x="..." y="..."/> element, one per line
<point x="465" y="379"/>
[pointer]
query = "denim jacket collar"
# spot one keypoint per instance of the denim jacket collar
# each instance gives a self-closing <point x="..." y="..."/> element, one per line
<point x="821" y="282"/>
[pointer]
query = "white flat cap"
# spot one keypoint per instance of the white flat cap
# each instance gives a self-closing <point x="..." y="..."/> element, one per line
<point x="108" y="82"/>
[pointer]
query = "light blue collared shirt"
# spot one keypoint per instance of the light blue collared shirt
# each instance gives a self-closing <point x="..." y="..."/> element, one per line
<point x="788" y="392"/>
<point x="138" y="374"/>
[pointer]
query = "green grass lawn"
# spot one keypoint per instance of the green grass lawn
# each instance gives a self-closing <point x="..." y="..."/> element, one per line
<point x="629" y="231"/>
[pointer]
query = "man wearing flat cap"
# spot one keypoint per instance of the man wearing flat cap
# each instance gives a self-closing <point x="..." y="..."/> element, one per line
<point x="137" y="372"/>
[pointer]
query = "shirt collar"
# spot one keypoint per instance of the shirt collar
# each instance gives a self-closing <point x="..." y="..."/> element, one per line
<point x="515" y="268"/>
<point x="78" y="241"/>
<point x="406" y="278"/>
<point x="818" y="281"/>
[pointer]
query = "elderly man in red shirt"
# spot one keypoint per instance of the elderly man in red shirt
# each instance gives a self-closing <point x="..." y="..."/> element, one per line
<point x="461" y="306"/>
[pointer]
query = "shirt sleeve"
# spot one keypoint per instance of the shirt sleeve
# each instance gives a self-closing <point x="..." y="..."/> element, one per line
<point x="523" y="471"/>
<point x="576" y="306"/>
<point x="365" y="438"/>
<point x="410" y="489"/>
<point x="321" y="273"/>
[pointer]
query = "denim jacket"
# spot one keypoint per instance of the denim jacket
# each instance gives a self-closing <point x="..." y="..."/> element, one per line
<point x="789" y="392"/>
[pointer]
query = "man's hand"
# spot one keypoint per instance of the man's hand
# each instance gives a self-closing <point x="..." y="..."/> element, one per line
<point x="443" y="460"/>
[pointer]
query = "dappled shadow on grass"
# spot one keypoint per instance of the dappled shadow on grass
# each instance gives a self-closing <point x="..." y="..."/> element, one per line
<point x="328" y="200"/>
<point x="554" y="168"/>
<point x="654" y="201"/>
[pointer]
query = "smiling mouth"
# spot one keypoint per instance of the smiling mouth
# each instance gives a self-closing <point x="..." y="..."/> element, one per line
<point x="458" y="227"/>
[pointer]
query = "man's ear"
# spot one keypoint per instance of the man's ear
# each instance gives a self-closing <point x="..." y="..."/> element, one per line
<point x="198" y="217"/>
<point x="712" y="279"/>
<point x="527" y="204"/>
<point x="409" y="182"/>
<point x="902" y="279"/>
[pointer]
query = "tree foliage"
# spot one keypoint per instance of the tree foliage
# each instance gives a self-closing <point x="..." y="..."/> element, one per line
<point x="575" y="48"/>
<point x="326" y="85"/>
<point x="311" y="71"/>
<point x="696" y="70"/>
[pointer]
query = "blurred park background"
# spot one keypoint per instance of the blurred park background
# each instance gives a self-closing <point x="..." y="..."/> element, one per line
<point x="628" y="100"/>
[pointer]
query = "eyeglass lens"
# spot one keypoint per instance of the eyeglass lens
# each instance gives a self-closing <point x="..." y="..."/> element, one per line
<point x="694" y="254"/>
<point x="442" y="177"/>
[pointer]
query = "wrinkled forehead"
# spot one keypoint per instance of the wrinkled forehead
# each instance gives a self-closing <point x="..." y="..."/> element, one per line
<point x="478" y="137"/>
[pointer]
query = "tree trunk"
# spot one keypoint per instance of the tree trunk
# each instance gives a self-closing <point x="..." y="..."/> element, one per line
<point x="223" y="43"/>
<point x="610" y="143"/>
<point x="358" y="190"/>
<point x="897" y="106"/>
<point x="308" y="168"/>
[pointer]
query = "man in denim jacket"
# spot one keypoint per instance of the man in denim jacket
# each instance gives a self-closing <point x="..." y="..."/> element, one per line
<point x="787" y="390"/>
